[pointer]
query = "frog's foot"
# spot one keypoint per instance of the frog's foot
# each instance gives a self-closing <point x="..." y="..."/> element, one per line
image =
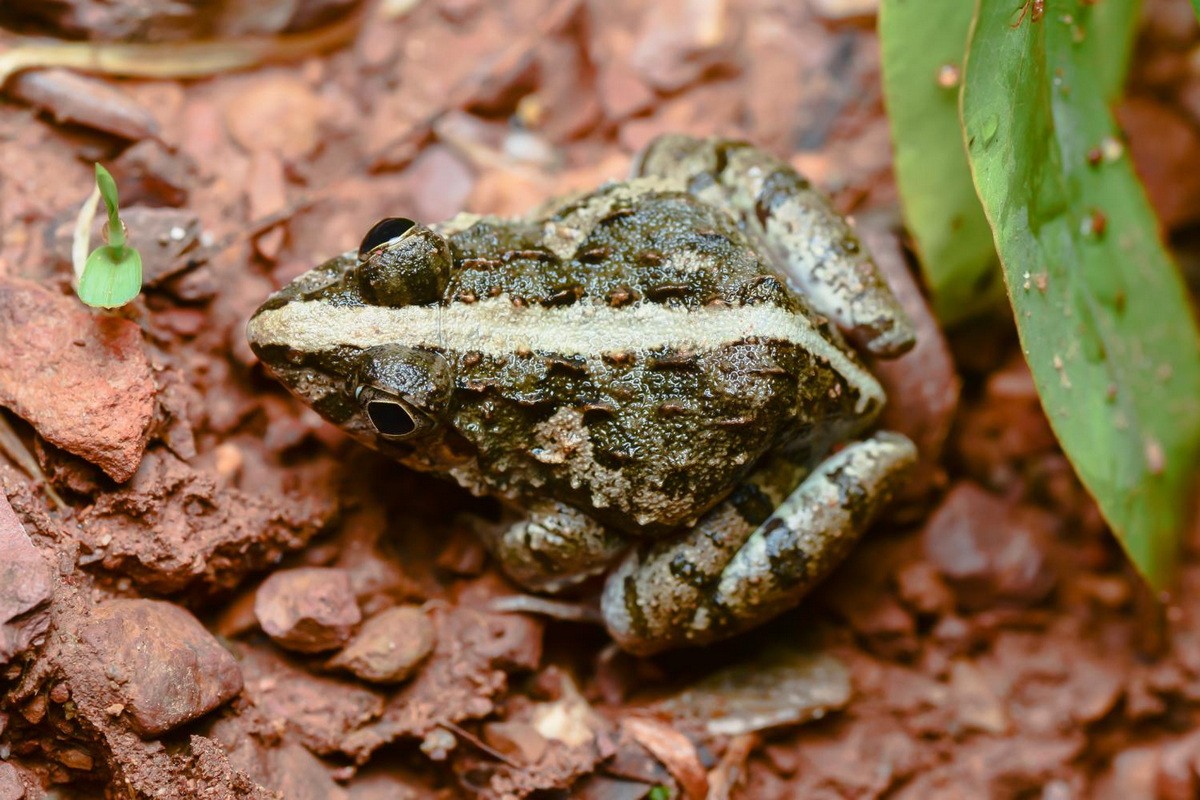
<point x="744" y="563"/>
<point x="812" y="244"/>
<point x="552" y="547"/>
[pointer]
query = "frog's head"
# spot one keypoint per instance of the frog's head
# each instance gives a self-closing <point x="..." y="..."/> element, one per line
<point x="352" y="339"/>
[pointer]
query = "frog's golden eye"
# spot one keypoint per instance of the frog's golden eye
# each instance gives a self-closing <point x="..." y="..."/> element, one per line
<point x="383" y="232"/>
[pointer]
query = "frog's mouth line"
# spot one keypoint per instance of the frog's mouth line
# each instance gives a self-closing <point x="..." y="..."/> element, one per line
<point x="496" y="327"/>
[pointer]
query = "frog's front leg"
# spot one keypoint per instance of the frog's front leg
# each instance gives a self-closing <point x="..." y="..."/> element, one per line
<point x="743" y="563"/>
<point x="552" y="546"/>
<point x="812" y="244"/>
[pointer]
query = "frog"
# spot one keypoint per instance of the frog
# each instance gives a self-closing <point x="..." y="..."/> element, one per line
<point x="663" y="380"/>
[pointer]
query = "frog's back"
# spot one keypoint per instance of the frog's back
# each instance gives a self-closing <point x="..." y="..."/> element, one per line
<point x="635" y="357"/>
<point x="624" y="243"/>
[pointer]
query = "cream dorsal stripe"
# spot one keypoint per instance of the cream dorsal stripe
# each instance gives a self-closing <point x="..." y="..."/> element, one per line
<point x="495" y="327"/>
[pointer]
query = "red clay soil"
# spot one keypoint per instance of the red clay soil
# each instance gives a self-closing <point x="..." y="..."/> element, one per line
<point x="233" y="600"/>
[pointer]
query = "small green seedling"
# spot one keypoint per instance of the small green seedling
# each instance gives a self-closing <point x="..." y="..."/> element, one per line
<point x="659" y="792"/>
<point x="112" y="274"/>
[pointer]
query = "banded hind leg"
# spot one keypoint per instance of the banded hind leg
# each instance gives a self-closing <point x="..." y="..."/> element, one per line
<point x="757" y="553"/>
<point x="812" y="244"/>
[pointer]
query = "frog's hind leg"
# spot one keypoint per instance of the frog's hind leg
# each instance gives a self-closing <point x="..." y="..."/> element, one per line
<point x="743" y="563"/>
<point x="553" y="546"/>
<point x="811" y="243"/>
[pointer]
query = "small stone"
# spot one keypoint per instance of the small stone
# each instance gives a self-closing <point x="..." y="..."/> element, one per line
<point x="75" y="759"/>
<point x="277" y="112"/>
<point x="975" y="702"/>
<point x="986" y="550"/>
<point x="389" y="646"/>
<point x="299" y="775"/>
<point x="25" y="587"/>
<point x="60" y="694"/>
<point x="921" y="588"/>
<point x="35" y="710"/>
<point x="167" y="238"/>
<point x="266" y="191"/>
<point x="308" y="609"/>
<point x="516" y="739"/>
<point x="440" y="183"/>
<point x="622" y="92"/>
<point x="98" y="400"/>
<point x="170" y="669"/>
<point x="681" y="40"/>
<point x="151" y="173"/>
<point x="1133" y="773"/>
<point x="11" y="787"/>
<point x="438" y="743"/>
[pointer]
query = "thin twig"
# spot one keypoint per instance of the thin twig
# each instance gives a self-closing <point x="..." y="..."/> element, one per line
<point x="12" y="446"/>
<point x="462" y="733"/>
<point x="556" y="609"/>
<point x="176" y="59"/>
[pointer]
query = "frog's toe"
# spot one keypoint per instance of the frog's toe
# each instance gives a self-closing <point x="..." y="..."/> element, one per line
<point x="552" y="547"/>
<point x="726" y="575"/>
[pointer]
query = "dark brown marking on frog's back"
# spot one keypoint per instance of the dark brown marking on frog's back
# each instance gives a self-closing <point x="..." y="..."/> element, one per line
<point x="659" y="246"/>
<point x="689" y="430"/>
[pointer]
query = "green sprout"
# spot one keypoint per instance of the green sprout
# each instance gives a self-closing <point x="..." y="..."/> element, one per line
<point x="659" y="792"/>
<point x="112" y="274"/>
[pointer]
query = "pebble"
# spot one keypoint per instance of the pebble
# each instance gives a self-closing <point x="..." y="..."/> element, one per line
<point x="308" y="609"/>
<point x="389" y="646"/>
<point x="25" y="587"/>
<point x="11" y="787"/>
<point x="518" y="740"/>
<point x="98" y="400"/>
<point x="299" y="775"/>
<point x="166" y="667"/>
<point x="986" y="550"/>
<point x="441" y="183"/>
<point x="921" y="588"/>
<point x="152" y="173"/>
<point x="277" y="112"/>
<point x="622" y="92"/>
<point x="681" y="40"/>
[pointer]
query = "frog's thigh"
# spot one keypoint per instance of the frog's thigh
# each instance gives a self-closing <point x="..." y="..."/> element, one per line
<point x="552" y="546"/>
<point x="726" y="576"/>
<point x="812" y="243"/>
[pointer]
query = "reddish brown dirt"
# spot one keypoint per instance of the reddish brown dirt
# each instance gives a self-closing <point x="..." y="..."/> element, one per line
<point x="201" y="629"/>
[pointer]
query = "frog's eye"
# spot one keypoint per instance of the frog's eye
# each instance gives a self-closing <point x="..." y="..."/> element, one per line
<point x="383" y="232"/>
<point x="391" y="419"/>
<point x="402" y="263"/>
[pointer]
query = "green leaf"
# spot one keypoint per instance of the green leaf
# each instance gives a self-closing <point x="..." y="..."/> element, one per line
<point x="1196" y="6"/>
<point x="111" y="277"/>
<point x="1100" y="308"/>
<point x="1108" y="41"/>
<point x="659" y="792"/>
<point x="923" y="42"/>
<point x="108" y="191"/>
